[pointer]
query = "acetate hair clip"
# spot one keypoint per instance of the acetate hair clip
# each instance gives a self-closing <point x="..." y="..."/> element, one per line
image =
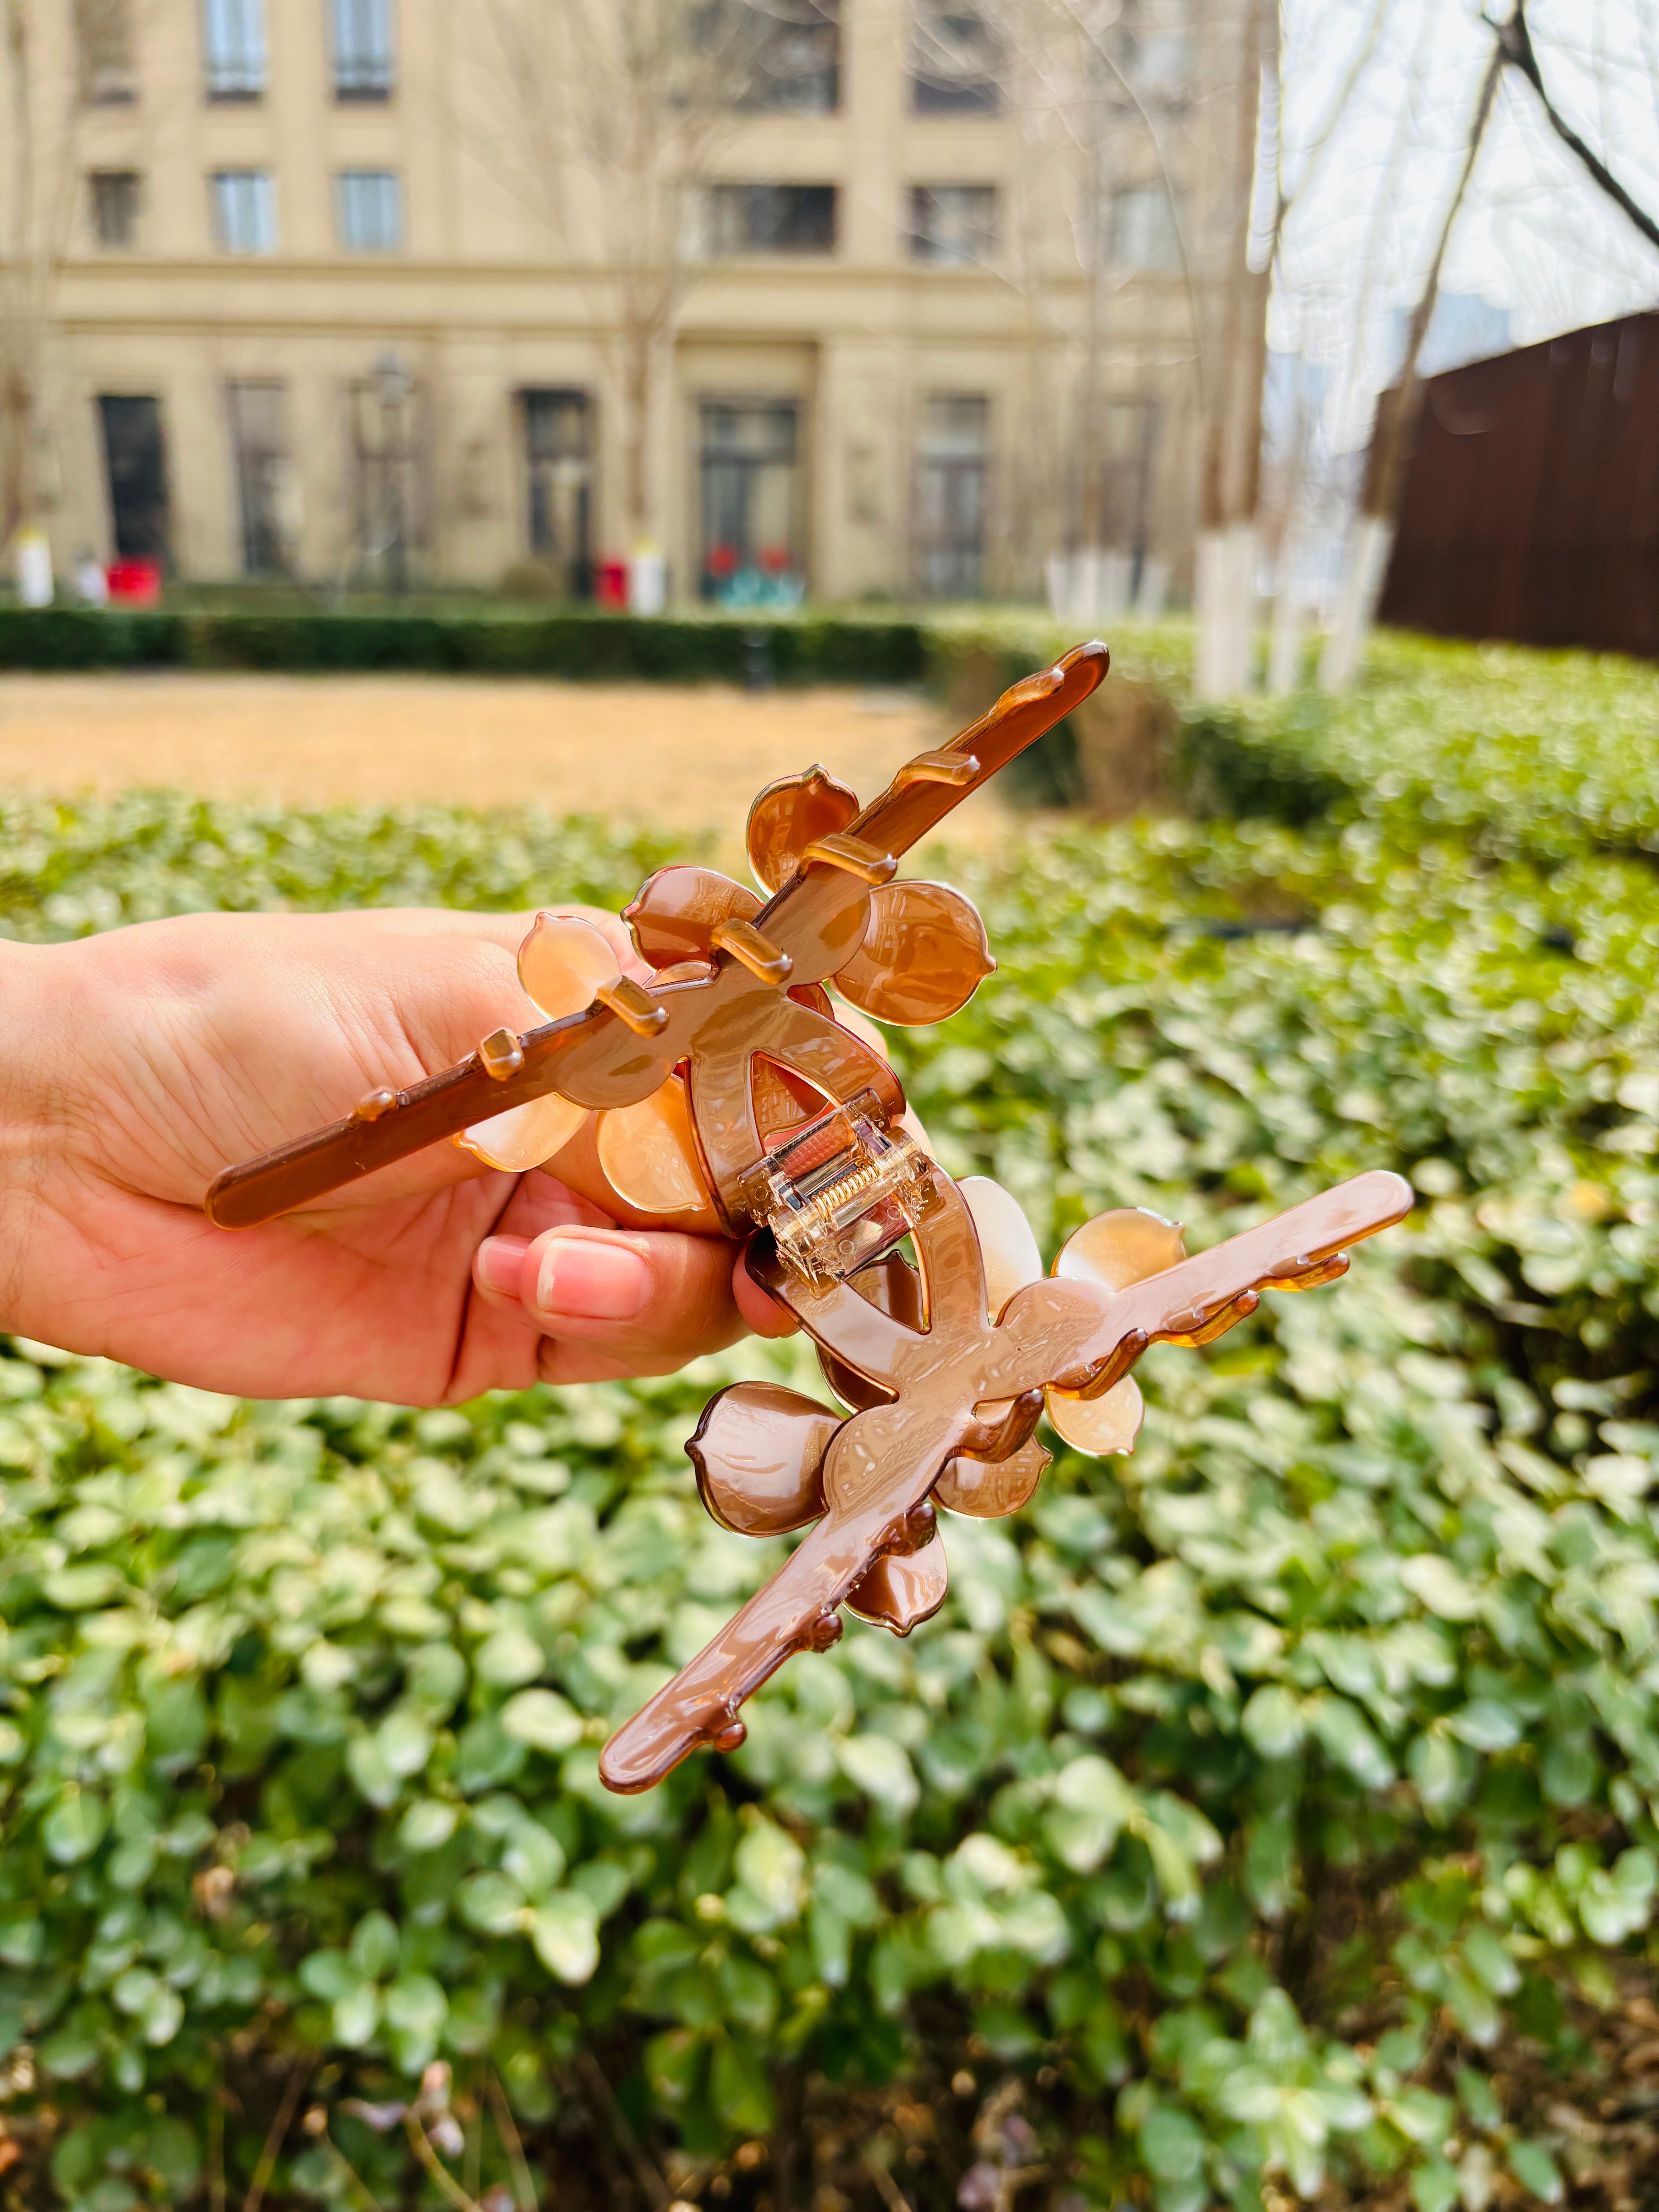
<point x="729" y="1097"/>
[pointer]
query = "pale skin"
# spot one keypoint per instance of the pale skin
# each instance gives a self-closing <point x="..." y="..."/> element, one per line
<point x="140" y="1062"/>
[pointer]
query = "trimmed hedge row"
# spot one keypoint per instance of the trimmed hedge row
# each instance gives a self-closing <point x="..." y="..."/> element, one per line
<point x="811" y="649"/>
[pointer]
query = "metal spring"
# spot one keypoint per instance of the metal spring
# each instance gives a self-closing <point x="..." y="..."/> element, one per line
<point x="825" y="1207"/>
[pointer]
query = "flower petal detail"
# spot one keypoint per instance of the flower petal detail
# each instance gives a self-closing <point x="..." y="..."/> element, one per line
<point x="1120" y="1248"/>
<point x="650" y="1158"/>
<point x="788" y="815"/>
<point x="563" y="962"/>
<point x="524" y="1136"/>
<point x="901" y="1589"/>
<point x="923" y="957"/>
<point x="987" y="1489"/>
<point x="1109" y="1423"/>
<point x="1007" y="1247"/>
<point x="758" y="1452"/>
<point x="674" y="912"/>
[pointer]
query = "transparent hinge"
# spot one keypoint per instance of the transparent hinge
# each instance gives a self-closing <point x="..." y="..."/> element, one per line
<point x="840" y="1191"/>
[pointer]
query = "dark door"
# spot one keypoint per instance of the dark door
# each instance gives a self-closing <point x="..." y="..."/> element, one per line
<point x="751" y="522"/>
<point x="558" y="445"/>
<point x="134" y="458"/>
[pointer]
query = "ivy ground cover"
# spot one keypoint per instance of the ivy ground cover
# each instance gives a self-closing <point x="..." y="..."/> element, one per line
<point x="1270" y="1816"/>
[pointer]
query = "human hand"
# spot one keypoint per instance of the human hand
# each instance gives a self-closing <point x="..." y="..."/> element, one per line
<point x="138" y="1063"/>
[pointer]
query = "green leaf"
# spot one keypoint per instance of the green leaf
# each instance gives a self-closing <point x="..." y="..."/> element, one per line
<point x="565" y="1931"/>
<point x="542" y="1719"/>
<point x="1536" y="2171"/>
<point x="75" y="1826"/>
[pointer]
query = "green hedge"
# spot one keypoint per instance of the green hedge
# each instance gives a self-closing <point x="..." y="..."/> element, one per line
<point x="808" y="649"/>
<point x="1519" y="751"/>
<point x="1271" y="1814"/>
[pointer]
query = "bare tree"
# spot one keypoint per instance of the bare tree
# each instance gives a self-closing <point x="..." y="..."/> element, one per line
<point x="1398" y="409"/>
<point x="1236" y="366"/>
<point x="611" y="114"/>
<point x="56" y="63"/>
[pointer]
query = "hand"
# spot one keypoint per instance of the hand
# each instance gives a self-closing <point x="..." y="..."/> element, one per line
<point x="135" y="1065"/>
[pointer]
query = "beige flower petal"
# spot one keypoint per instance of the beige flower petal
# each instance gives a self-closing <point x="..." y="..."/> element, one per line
<point x="923" y="956"/>
<point x="1109" y="1423"/>
<point x="651" y="1160"/>
<point x="1006" y="1245"/>
<point x="1120" y="1248"/>
<point x="524" y="1136"/>
<point x="563" y="962"/>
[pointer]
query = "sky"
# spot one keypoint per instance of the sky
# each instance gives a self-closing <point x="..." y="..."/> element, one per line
<point x="1534" y="236"/>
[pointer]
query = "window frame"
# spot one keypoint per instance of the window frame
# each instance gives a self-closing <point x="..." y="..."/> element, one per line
<point x="347" y="186"/>
<point x="364" y="69"/>
<point x="261" y="196"/>
<point x="245" y="78"/>
<point x="133" y="179"/>
<point x="746" y="194"/>
<point x="923" y="248"/>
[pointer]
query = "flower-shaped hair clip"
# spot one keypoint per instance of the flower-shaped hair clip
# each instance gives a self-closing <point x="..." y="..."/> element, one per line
<point x="923" y="955"/>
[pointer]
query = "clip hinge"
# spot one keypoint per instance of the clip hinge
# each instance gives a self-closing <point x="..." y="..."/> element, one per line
<point x="840" y="1191"/>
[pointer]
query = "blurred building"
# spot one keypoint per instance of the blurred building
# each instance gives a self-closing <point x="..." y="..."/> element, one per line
<point x="1531" y="507"/>
<point x="317" y="316"/>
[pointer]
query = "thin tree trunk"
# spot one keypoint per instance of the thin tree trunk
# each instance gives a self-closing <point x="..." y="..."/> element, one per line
<point x="1225" y="584"/>
<point x="1392" y="431"/>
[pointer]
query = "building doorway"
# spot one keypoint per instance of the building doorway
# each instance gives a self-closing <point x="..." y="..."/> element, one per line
<point x="558" y="451"/>
<point x="136" y="468"/>
<point x="258" y="444"/>
<point x="953" y="463"/>
<point x="752" y="523"/>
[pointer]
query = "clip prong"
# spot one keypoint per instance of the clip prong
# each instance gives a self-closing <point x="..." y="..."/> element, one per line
<point x="756" y="953"/>
<point x="956" y="769"/>
<point x="501" y="1055"/>
<point x="854" y="857"/>
<point x="630" y="1005"/>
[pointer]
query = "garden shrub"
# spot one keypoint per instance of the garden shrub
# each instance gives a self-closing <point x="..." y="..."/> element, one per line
<point x="1270" y="1814"/>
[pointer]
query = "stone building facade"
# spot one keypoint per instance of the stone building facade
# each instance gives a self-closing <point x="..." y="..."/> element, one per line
<point x="935" y="321"/>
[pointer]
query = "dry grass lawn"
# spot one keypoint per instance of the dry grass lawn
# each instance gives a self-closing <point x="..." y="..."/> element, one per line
<point x="687" y="758"/>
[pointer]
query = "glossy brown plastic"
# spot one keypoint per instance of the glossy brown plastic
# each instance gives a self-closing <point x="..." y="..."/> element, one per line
<point x="881" y="1463"/>
<point x="717" y="1021"/>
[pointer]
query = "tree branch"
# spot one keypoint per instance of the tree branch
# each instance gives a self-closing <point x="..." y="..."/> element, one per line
<point x="1515" y="43"/>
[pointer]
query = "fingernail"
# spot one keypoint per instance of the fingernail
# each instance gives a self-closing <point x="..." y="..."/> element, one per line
<point x="582" y="1280"/>
<point x="498" y="1264"/>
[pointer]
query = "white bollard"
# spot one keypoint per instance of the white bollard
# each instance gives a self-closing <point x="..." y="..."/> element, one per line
<point x="32" y="556"/>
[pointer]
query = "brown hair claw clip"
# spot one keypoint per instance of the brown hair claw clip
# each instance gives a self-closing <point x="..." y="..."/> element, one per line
<point x="945" y="1366"/>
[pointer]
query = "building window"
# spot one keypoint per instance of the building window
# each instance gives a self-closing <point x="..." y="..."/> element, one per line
<point x="953" y="460"/>
<point x="794" y="65"/>
<point x="1155" y="45"/>
<point x="104" y="53"/>
<point x="116" y="195"/>
<point x="771" y="219"/>
<point x="369" y="210"/>
<point x="386" y="475"/>
<point x="558" y="451"/>
<point x="1144" y="234"/>
<point x="265" y="487"/>
<point x="234" y="48"/>
<point x="244" y="211"/>
<point x="956" y="59"/>
<point x="135" y="472"/>
<point x="752" y="520"/>
<point x="362" y="49"/>
<point x="953" y="225"/>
